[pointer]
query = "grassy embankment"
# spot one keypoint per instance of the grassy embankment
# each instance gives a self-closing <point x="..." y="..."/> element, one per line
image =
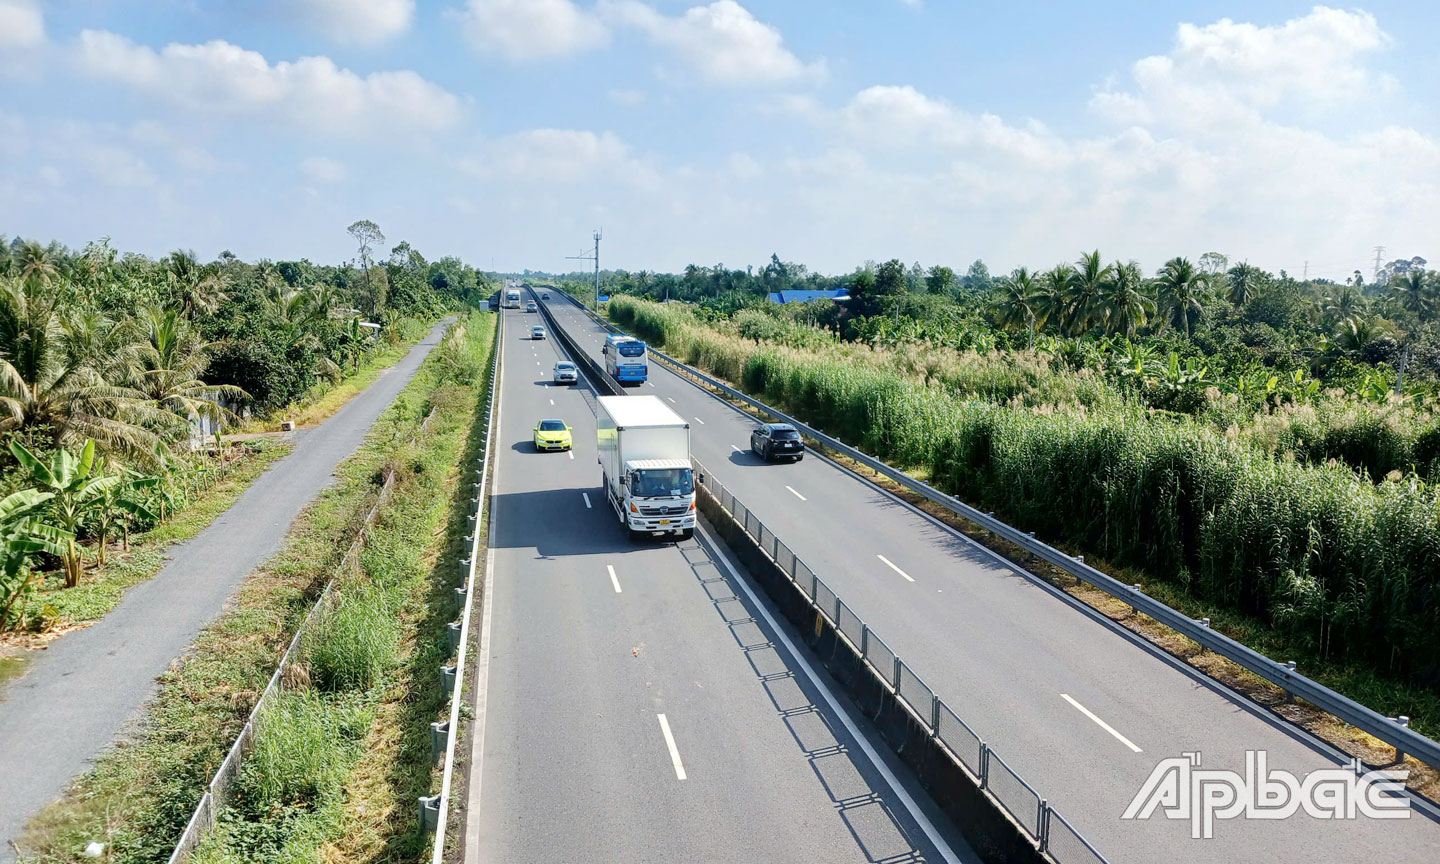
<point x="341" y="755"/>
<point x="1311" y="562"/>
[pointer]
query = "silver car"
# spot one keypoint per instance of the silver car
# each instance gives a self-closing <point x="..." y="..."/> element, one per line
<point x="537" y="332"/>
<point x="566" y="373"/>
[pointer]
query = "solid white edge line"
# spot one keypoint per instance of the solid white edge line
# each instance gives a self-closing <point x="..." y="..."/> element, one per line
<point x="613" y="580"/>
<point x="891" y="780"/>
<point x="1101" y="723"/>
<point x="792" y="489"/>
<point x="670" y="743"/>
<point x="586" y="496"/>
<point x="482" y="654"/>
<point x="891" y="565"/>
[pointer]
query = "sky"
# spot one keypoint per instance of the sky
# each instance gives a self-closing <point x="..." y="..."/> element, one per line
<point x="1292" y="136"/>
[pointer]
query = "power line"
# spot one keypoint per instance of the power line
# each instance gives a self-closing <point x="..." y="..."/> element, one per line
<point x="596" y="258"/>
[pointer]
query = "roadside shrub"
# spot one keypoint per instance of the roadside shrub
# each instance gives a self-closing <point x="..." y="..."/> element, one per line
<point x="356" y="641"/>
<point x="303" y="748"/>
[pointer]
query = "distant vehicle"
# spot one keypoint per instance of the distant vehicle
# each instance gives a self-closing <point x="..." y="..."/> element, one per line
<point x="531" y="307"/>
<point x="537" y="332"/>
<point x="512" y="298"/>
<point x="553" y="435"/>
<point x="777" y="440"/>
<point x="625" y="359"/>
<point x="644" y="455"/>
<point x="545" y="295"/>
<point x="566" y="373"/>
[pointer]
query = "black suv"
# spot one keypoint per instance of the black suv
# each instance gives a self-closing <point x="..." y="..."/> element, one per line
<point x="777" y="440"/>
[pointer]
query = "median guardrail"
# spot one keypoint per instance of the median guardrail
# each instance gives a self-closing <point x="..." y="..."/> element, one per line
<point x="1002" y="817"/>
<point x="593" y="370"/>
<point x="1392" y="731"/>
<point x="435" y="809"/>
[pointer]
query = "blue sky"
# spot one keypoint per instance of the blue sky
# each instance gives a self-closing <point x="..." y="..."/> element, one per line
<point x="828" y="132"/>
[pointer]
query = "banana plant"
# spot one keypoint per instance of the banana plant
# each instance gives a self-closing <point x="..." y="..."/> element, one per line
<point x="77" y="491"/>
<point x="22" y="535"/>
<point x="120" y="501"/>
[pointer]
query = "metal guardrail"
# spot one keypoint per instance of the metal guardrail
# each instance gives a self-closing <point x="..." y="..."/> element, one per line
<point x="1405" y="740"/>
<point x="437" y="807"/>
<point x="997" y="780"/>
<point x="593" y="370"/>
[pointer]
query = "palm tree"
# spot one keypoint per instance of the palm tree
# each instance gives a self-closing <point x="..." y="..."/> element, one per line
<point x="1347" y="304"/>
<point x="34" y="264"/>
<point x="1415" y="292"/>
<point x="1180" y="293"/>
<point x="63" y="373"/>
<point x="1013" y="306"/>
<point x="169" y="359"/>
<point x="1240" y="283"/>
<point x="1083" y="298"/>
<point x="1048" y="301"/>
<point x="1355" y="332"/>
<point x="198" y="288"/>
<point x="1127" y="306"/>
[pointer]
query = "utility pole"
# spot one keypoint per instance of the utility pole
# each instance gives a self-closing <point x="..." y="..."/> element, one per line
<point x="596" y="258"/>
<point x="1379" y="253"/>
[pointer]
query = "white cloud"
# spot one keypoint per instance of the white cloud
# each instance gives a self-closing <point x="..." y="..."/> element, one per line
<point x="722" y="42"/>
<point x="224" y="78"/>
<point x="629" y="98"/>
<point x="1230" y="72"/>
<point x="525" y="30"/>
<point x="319" y="169"/>
<point x="559" y="156"/>
<point x="360" y="22"/>
<point x="22" y="24"/>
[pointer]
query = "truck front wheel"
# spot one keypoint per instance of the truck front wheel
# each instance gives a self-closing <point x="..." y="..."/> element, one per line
<point x="687" y="533"/>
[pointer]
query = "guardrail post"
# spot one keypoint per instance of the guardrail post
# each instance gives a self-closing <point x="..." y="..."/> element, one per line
<point x="934" y="714"/>
<point x="1204" y="622"/>
<point x="1289" y="695"/>
<point x="984" y="765"/>
<point x="460" y="597"/>
<point x="429" y="811"/>
<point x="1400" y="754"/>
<point x="1031" y="535"/>
<point x="439" y="732"/>
<point x="1133" y="610"/>
<point x="864" y="639"/>
<point x="1042" y="821"/>
<point x="452" y="635"/>
<point x="895" y="677"/>
<point x="447" y="679"/>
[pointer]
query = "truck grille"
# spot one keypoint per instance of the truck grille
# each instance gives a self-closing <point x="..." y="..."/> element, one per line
<point x="679" y="510"/>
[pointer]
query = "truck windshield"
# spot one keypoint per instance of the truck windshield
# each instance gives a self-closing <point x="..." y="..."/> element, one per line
<point x="659" y="482"/>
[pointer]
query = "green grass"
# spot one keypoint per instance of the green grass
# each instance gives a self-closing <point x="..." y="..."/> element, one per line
<point x="139" y="796"/>
<point x="373" y="658"/>
<point x="102" y="588"/>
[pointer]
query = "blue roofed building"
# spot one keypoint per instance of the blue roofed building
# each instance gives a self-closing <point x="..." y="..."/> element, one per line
<point x="836" y="294"/>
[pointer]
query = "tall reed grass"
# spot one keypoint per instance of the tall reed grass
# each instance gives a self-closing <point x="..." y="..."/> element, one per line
<point x="1348" y="566"/>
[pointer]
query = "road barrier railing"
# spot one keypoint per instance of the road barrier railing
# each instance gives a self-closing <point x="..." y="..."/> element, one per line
<point x="1393" y="731"/>
<point x="435" y="809"/>
<point x="891" y="681"/>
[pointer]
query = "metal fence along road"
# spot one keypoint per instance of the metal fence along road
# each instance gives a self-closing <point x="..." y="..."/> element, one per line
<point x="435" y="809"/>
<point x="1390" y="730"/>
<point x="1001" y="785"/>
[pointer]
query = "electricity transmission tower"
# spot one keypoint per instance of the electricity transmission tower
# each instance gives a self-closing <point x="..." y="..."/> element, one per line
<point x="1379" y="254"/>
<point x="596" y="258"/>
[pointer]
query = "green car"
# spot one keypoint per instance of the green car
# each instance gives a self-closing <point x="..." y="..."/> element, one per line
<point x="553" y="435"/>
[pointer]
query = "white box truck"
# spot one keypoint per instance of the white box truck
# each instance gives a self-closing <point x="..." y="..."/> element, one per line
<point x="645" y="465"/>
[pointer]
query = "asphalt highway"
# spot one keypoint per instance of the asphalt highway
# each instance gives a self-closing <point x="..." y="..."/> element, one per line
<point x="638" y="705"/>
<point x="1077" y="706"/>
